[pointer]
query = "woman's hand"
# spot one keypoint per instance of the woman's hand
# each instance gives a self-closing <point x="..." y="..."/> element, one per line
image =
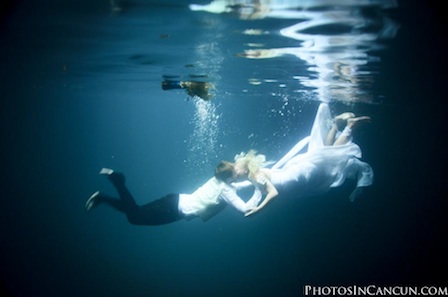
<point x="252" y="211"/>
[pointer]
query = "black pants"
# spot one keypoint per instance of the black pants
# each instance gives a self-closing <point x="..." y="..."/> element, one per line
<point x="161" y="211"/>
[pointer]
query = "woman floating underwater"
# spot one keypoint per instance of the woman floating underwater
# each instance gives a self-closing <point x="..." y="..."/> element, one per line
<point x="330" y="159"/>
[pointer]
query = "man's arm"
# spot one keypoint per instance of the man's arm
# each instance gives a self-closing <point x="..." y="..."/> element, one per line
<point x="230" y="196"/>
<point x="243" y="184"/>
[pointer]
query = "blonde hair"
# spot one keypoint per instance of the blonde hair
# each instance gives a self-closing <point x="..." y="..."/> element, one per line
<point x="251" y="161"/>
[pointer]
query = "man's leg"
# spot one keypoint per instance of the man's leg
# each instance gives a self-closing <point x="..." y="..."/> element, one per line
<point x="158" y="212"/>
<point x="97" y="198"/>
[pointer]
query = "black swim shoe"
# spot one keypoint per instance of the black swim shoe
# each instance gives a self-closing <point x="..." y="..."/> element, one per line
<point x="92" y="201"/>
<point x="114" y="177"/>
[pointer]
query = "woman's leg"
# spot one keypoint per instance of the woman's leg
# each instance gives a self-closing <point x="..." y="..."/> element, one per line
<point x="346" y="134"/>
<point x="338" y="125"/>
<point x="331" y="135"/>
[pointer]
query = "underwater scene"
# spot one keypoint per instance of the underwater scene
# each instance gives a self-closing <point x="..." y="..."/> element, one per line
<point x="158" y="148"/>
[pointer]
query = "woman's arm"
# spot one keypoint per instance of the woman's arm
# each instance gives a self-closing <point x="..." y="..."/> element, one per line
<point x="230" y="196"/>
<point x="271" y="194"/>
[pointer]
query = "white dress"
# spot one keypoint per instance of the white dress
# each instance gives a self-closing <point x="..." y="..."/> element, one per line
<point x="321" y="167"/>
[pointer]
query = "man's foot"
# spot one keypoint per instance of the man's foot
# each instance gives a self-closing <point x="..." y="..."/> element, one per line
<point x="115" y="177"/>
<point x="341" y="120"/>
<point x="355" y="122"/>
<point x="92" y="201"/>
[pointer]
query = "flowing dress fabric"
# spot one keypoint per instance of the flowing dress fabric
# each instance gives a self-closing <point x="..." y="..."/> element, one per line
<point x="321" y="167"/>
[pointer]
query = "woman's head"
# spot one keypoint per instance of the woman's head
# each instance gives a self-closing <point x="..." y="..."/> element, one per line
<point x="249" y="163"/>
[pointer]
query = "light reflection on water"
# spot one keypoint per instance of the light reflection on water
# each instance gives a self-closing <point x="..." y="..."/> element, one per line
<point x="336" y="40"/>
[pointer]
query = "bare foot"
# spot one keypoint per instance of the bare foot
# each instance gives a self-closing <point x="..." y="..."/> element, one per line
<point x="355" y="122"/>
<point x="341" y="120"/>
<point x="345" y="116"/>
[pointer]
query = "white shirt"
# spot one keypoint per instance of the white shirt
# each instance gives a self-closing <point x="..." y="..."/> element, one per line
<point x="212" y="193"/>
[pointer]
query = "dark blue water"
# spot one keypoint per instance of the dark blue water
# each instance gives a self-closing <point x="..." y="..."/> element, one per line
<point x="81" y="89"/>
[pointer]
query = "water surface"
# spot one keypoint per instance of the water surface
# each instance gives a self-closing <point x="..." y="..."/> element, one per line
<point x="82" y="89"/>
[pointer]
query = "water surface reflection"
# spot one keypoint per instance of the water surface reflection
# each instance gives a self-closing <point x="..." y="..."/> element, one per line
<point x="337" y="40"/>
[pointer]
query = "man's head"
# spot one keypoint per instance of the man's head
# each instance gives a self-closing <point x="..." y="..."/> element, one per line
<point x="225" y="171"/>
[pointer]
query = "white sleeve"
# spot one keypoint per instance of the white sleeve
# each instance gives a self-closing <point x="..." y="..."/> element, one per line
<point x="243" y="184"/>
<point x="230" y="196"/>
